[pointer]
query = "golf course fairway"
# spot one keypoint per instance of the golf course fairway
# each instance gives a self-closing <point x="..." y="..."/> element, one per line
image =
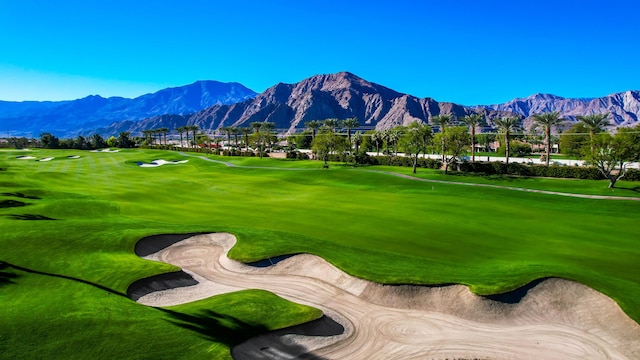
<point x="70" y="226"/>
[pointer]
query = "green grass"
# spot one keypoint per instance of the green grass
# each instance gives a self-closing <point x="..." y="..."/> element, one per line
<point x="372" y="225"/>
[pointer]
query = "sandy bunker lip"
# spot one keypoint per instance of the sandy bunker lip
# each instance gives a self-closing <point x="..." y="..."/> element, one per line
<point x="554" y="319"/>
<point x="46" y="159"/>
<point x="160" y="162"/>
<point x="25" y="157"/>
<point x="73" y="157"/>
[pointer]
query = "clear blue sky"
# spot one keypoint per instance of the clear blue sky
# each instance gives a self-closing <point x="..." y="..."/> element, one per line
<point x="468" y="52"/>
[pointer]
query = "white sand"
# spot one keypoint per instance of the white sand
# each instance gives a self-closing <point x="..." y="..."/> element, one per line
<point x="557" y="319"/>
<point x="25" y="157"/>
<point x="106" y="150"/>
<point x="156" y="163"/>
<point x="47" y="159"/>
<point x="73" y="157"/>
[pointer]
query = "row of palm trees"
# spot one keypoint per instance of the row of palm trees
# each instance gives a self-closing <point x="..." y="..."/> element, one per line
<point x="506" y="126"/>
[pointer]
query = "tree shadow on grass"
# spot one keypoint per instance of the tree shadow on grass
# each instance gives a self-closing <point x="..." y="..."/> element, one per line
<point x="20" y="195"/>
<point x="5" y="265"/>
<point x="6" y="277"/>
<point x="12" y="203"/>
<point x="634" y="189"/>
<point x="213" y="326"/>
<point x="29" y="217"/>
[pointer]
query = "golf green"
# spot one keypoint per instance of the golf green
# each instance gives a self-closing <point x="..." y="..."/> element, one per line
<point x="69" y="226"/>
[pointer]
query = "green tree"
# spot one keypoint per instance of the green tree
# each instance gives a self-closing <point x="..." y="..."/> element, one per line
<point x="245" y="131"/>
<point x="327" y="142"/>
<point x="313" y="125"/>
<point x="442" y="121"/>
<point x="547" y="121"/>
<point x="181" y="130"/>
<point x="455" y="140"/>
<point x="377" y="139"/>
<point x="49" y="141"/>
<point x="350" y="123"/>
<point x="507" y="125"/>
<point x="415" y="141"/>
<point x="473" y="121"/>
<point x="97" y="141"/>
<point x="574" y="140"/>
<point x="330" y="123"/>
<point x="611" y="153"/>
<point x="227" y="130"/>
<point x="112" y="141"/>
<point x="124" y="140"/>
<point x="194" y="129"/>
<point x="356" y="140"/>
<point x="595" y="123"/>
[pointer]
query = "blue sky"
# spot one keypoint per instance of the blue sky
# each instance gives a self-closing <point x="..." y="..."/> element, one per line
<point x="467" y="52"/>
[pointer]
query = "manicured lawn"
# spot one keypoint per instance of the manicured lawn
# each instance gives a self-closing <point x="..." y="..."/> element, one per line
<point x="372" y="225"/>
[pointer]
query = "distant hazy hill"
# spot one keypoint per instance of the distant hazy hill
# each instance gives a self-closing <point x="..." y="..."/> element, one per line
<point x="67" y="118"/>
<point x="319" y="97"/>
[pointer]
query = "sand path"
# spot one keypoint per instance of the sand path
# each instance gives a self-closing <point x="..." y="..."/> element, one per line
<point x="556" y="319"/>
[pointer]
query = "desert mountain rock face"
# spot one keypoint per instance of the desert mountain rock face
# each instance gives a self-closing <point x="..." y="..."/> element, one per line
<point x="342" y="95"/>
<point x="68" y="118"/>
<point x="624" y="107"/>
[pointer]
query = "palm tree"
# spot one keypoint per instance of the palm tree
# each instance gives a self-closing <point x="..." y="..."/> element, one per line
<point x="357" y="140"/>
<point x="442" y="121"/>
<point x="595" y="122"/>
<point x="227" y="130"/>
<point x="235" y="131"/>
<point x="181" y="130"/>
<point x="507" y="125"/>
<point x="245" y="131"/>
<point x="147" y="135"/>
<point x="547" y="121"/>
<point x="331" y="124"/>
<point x="163" y="132"/>
<point x="472" y="121"/>
<point x="349" y="124"/>
<point x="194" y="129"/>
<point x="376" y="137"/>
<point x="314" y="125"/>
<point x="268" y="127"/>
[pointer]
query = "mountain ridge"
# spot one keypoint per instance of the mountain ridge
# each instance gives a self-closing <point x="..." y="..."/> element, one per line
<point x="70" y="117"/>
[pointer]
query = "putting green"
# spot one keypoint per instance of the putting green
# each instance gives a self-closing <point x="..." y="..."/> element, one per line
<point x="81" y="218"/>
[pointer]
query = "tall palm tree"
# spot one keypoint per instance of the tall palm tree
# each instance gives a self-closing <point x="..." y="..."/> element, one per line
<point x="331" y="124"/>
<point x="376" y="137"/>
<point x="180" y="130"/>
<point x="314" y="125"/>
<point x="595" y="122"/>
<point x="235" y="131"/>
<point x="349" y="124"/>
<point x="147" y="136"/>
<point x="163" y="132"/>
<point x="245" y="131"/>
<point x="227" y="130"/>
<point x="194" y="129"/>
<point x="267" y="128"/>
<point x="547" y="121"/>
<point x="472" y="121"/>
<point x="357" y="140"/>
<point x="507" y="125"/>
<point x="442" y="121"/>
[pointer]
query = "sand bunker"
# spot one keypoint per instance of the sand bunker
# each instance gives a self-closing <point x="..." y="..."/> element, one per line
<point x="156" y="163"/>
<point x="554" y="319"/>
<point x="25" y="157"/>
<point x="73" y="157"/>
<point x="106" y="150"/>
<point x="47" y="159"/>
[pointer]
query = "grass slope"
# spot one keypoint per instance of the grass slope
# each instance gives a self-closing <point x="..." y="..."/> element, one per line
<point x="375" y="226"/>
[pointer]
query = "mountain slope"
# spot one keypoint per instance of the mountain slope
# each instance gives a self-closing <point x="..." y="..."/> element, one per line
<point x="67" y="118"/>
<point x="290" y="106"/>
<point x="624" y="107"/>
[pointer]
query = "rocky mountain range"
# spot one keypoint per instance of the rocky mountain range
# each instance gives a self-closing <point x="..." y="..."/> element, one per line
<point x="68" y="118"/>
<point x="211" y="105"/>
<point x="624" y="107"/>
<point x="319" y="97"/>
